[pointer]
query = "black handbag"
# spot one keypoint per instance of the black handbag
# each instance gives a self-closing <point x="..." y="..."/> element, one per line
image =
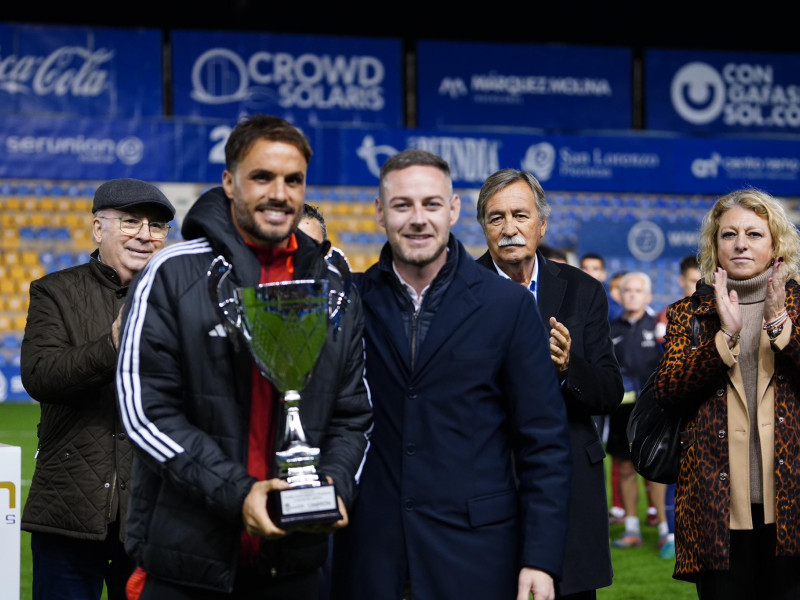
<point x="654" y="432"/>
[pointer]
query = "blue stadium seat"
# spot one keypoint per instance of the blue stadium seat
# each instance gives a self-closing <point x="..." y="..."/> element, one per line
<point x="11" y="341"/>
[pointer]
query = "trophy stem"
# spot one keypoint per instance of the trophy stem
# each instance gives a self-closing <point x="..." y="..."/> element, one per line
<point x="293" y="434"/>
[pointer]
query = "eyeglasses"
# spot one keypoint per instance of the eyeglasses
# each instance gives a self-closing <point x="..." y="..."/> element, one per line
<point x="131" y="226"/>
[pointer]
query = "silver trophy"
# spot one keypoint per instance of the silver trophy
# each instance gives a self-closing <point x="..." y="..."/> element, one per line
<point x="285" y="326"/>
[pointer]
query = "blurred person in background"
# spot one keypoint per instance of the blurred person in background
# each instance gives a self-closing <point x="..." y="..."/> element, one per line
<point x="313" y="224"/>
<point x="594" y="264"/>
<point x="465" y="489"/>
<point x="554" y="254"/>
<point x="78" y="499"/>
<point x="689" y="275"/>
<point x="637" y="351"/>
<point x="512" y="210"/>
<point x="737" y="525"/>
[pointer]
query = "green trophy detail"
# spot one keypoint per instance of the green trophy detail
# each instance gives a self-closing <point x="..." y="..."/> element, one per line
<point x="287" y="335"/>
<point x="285" y="326"/>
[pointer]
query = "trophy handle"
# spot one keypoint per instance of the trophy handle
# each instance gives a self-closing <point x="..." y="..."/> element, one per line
<point x="217" y="273"/>
<point x="338" y="300"/>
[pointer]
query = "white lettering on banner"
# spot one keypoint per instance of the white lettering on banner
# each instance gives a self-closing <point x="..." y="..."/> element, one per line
<point x="453" y="87"/>
<point x="69" y="70"/>
<point x="625" y="159"/>
<point x="683" y="238"/>
<point x="128" y="150"/>
<point x="600" y="164"/>
<point x="470" y="159"/>
<point x="221" y="76"/>
<point x="742" y="94"/>
<point x="748" y="167"/>
<point x="540" y="85"/>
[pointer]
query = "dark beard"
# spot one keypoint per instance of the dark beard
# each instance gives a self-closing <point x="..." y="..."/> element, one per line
<point x="246" y="222"/>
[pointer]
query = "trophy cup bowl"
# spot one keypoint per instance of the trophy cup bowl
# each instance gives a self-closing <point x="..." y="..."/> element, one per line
<point x="285" y="326"/>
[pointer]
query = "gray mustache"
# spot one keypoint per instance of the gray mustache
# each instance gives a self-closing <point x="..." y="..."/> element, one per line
<point x="514" y="240"/>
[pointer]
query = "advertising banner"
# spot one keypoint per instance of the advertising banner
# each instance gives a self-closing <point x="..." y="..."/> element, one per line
<point x="645" y="240"/>
<point x="624" y="163"/>
<point x="722" y="92"/>
<point x="308" y="80"/>
<point x="193" y="151"/>
<point x="55" y="148"/>
<point x="520" y="85"/>
<point x="80" y="71"/>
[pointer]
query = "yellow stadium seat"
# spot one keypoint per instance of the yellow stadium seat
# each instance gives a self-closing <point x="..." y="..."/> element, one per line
<point x="40" y="219"/>
<point x="35" y="272"/>
<point x="8" y="286"/>
<point x="19" y="321"/>
<point x="12" y="203"/>
<point x="29" y="258"/>
<point x="17" y="302"/>
<point x="9" y="238"/>
<point x="47" y="204"/>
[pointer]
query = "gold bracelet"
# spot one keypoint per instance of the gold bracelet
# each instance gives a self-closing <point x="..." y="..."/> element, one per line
<point x="734" y="336"/>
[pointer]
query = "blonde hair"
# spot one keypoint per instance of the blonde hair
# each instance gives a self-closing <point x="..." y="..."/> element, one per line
<point x="785" y="238"/>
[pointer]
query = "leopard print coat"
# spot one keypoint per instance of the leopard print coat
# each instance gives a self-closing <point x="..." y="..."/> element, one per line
<point x="694" y="381"/>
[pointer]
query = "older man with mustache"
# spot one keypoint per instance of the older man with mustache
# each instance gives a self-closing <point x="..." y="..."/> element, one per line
<point x="513" y="212"/>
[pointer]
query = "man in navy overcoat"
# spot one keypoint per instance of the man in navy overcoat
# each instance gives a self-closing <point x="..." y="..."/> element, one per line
<point x="465" y="489"/>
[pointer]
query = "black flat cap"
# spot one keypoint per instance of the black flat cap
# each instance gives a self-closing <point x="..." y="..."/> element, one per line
<point x="124" y="193"/>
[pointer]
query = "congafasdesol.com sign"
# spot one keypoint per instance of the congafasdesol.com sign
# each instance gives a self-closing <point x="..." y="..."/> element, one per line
<point x="308" y="80"/>
<point x="720" y="92"/>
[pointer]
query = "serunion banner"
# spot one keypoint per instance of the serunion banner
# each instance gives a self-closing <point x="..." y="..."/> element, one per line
<point x="308" y="80"/>
<point x="521" y="85"/>
<point x="722" y="92"/>
<point x="80" y="71"/>
<point x="63" y="148"/>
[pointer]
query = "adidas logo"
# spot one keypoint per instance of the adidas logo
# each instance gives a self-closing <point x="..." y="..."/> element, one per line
<point x="218" y="331"/>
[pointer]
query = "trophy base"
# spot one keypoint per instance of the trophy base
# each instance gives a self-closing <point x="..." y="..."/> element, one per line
<point x="303" y="506"/>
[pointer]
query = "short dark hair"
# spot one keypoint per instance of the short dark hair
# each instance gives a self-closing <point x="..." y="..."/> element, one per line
<point x="413" y="158"/>
<point x="312" y="212"/>
<point x="689" y="262"/>
<point x="551" y="252"/>
<point x="263" y="127"/>
<point x="593" y="255"/>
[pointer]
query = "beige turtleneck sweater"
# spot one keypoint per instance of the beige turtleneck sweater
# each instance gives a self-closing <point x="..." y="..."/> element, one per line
<point x="752" y="293"/>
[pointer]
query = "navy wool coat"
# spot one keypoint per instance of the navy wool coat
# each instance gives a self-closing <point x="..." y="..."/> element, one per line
<point x="467" y="478"/>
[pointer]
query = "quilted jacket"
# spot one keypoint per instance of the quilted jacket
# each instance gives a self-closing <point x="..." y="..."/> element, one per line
<point x="80" y="482"/>
<point x="697" y="381"/>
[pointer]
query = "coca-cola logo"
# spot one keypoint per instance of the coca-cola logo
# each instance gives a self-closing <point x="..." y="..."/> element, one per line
<point x="69" y="70"/>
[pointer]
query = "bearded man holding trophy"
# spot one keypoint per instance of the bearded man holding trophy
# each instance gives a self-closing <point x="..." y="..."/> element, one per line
<point x="241" y="385"/>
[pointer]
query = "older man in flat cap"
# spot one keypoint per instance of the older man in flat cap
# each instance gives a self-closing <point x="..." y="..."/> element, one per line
<point x="79" y="493"/>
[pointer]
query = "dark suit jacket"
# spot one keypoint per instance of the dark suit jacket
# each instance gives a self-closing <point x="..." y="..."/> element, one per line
<point x="593" y="386"/>
<point x="438" y="495"/>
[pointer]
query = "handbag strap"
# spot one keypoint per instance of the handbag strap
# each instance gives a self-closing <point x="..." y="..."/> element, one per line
<point x="695" y="323"/>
